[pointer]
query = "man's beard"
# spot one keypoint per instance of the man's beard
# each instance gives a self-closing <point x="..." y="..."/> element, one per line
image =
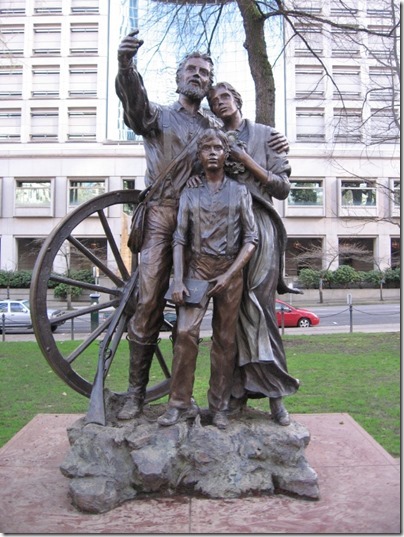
<point x="193" y="92"/>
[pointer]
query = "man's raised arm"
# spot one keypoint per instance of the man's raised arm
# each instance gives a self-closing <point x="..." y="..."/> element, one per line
<point x="139" y="114"/>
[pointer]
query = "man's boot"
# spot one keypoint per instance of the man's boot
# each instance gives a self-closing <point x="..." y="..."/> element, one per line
<point x="139" y="367"/>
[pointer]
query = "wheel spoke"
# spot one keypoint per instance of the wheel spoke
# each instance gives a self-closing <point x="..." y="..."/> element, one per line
<point x="74" y="314"/>
<point x="85" y="285"/>
<point x="73" y="362"/>
<point x="114" y="248"/>
<point x="86" y="343"/>
<point x="95" y="260"/>
<point x="162" y="363"/>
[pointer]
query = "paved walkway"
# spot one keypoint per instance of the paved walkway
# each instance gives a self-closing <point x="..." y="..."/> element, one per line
<point x="359" y="485"/>
<point x="312" y="330"/>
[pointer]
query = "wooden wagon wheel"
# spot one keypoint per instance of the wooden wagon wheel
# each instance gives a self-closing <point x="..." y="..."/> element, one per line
<point x="117" y="293"/>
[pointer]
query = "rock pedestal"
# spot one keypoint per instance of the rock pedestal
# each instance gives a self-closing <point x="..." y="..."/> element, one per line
<point x="138" y="458"/>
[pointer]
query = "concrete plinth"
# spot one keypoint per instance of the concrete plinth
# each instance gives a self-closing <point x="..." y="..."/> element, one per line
<point x="358" y="479"/>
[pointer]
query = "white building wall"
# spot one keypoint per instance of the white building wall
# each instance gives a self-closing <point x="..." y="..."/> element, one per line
<point x="103" y="157"/>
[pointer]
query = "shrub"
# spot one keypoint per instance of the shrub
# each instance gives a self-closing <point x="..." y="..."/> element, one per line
<point x="14" y="279"/>
<point x="392" y="276"/>
<point x="373" y="276"/>
<point x="345" y="275"/>
<point x="327" y="276"/>
<point x="83" y="275"/>
<point x="309" y="278"/>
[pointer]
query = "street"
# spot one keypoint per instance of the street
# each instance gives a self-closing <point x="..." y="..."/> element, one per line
<point x="365" y="317"/>
<point x="363" y="314"/>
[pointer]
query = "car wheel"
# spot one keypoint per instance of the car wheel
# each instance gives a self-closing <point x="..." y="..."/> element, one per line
<point x="54" y="327"/>
<point x="304" y="322"/>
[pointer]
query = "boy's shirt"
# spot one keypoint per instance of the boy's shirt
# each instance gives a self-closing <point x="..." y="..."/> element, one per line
<point x="216" y="224"/>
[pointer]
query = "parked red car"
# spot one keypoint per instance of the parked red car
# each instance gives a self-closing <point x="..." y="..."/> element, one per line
<point x="294" y="316"/>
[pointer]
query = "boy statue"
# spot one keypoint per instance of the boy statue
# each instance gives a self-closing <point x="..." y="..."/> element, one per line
<point x="216" y="229"/>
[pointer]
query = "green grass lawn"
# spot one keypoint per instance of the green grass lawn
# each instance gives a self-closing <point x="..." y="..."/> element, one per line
<point x="354" y="373"/>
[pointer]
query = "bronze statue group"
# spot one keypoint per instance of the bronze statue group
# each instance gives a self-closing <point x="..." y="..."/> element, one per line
<point x="210" y="218"/>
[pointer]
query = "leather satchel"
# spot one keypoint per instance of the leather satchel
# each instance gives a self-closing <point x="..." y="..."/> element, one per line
<point x="137" y="228"/>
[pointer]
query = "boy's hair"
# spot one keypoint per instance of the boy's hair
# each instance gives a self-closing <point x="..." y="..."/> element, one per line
<point x="195" y="54"/>
<point x="208" y="134"/>
<point x="229" y="87"/>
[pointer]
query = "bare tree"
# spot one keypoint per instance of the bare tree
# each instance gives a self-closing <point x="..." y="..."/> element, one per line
<point x="327" y="254"/>
<point x="203" y="23"/>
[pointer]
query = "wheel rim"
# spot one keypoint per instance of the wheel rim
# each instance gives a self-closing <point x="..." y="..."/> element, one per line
<point x="304" y="323"/>
<point x="119" y="286"/>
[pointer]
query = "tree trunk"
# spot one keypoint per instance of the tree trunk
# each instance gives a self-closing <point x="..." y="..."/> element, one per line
<point x="260" y="67"/>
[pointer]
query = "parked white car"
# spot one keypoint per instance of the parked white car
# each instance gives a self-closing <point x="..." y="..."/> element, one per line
<point x="16" y="314"/>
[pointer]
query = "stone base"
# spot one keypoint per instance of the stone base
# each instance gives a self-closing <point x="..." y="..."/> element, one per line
<point x="138" y="458"/>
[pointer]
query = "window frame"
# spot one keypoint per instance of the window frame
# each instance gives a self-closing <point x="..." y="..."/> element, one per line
<point x="92" y="191"/>
<point x="29" y="209"/>
<point x="310" y="136"/>
<point x="308" y="210"/>
<point x="353" y="210"/>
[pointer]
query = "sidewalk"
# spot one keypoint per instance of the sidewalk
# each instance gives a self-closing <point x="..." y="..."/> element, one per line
<point x="359" y="486"/>
<point x="312" y="330"/>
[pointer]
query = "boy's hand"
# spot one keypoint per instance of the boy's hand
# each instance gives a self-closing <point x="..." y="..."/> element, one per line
<point x="179" y="290"/>
<point x="220" y="284"/>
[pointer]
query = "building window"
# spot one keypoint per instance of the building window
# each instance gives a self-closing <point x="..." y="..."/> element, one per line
<point x="84" y="6"/>
<point x="347" y="81"/>
<point x="44" y="124"/>
<point x="356" y="252"/>
<point x="10" y="125"/>
<point x="303" y="252"/>
<point x="384" y="127"/>
<point x="395" y="253"/>
<point x="83" y="190"/>
<point x="347" y="125"/>
<point x="358" y="192"/>
<point x="396" y="193"/>
<point x="306" y="193"/>
<point x="83" y="81"/>
<point x="308" y="6"/>
<point x="47" y="39"/>
<point x="98" y="246"/>
<point x="347" y="8"/>
<point x="378" y="45"/>
<point x="345" y="43"/>
<point x="12" y="7"/>
<point x="310" y="125"/>
<point x="10" y="82"/>
<point x="45" y="81"/>
<point x="33" y="193"/>
<point x="129" y="183"/>
<point x="28" y="251"/>
<point x="309" y="39"/>
<point x="12" y="40"/>
<point x="48" y="7"/>
<point x="382" y="84"/>
<point x="84" y="39"/>
<point x="82" y="124"/>
<point x="378" y="9"/>
<point x="309" y="82"/>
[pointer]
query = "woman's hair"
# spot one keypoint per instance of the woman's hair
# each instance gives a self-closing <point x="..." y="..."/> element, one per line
<point x="229" y="87"/>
